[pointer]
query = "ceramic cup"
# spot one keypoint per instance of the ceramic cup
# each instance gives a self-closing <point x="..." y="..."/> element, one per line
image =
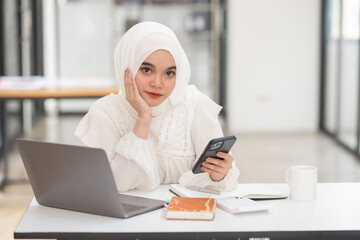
<point x="302" y="181"/>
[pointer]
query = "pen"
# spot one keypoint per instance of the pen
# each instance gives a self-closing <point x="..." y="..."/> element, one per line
<point x="203" y="190"/>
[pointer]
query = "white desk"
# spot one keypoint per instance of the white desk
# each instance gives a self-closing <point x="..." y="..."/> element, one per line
<point x="334" y="215"/>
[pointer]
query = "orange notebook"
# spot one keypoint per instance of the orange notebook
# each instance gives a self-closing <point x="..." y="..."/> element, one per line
<point x="191" y="208"/>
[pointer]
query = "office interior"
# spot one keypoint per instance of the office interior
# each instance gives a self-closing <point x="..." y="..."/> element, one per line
<point x="285" y="72"/>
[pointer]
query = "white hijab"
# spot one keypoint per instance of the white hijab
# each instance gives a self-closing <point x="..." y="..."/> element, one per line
<point x="137" y="44"/>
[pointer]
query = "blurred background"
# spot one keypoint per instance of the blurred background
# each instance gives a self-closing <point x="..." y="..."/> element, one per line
<point x="285" y="72"/>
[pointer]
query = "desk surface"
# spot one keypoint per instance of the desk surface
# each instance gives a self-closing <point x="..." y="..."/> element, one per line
<point x="335" y="214"/>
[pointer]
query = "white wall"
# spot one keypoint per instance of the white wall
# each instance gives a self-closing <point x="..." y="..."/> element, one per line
<point x="273" y="65"/>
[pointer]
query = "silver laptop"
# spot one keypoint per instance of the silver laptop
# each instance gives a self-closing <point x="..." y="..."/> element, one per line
<point x="78" y="178"/>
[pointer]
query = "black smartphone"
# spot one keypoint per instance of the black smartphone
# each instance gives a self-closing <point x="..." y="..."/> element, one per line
<point x="222" y="144"/>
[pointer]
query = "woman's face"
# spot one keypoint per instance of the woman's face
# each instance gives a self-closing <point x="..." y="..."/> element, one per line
<point x="156" y="77"/>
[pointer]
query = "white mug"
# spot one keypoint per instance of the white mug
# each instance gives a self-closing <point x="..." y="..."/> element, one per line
<point x="302" y="181"/>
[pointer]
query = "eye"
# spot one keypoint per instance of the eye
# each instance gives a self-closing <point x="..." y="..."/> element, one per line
<point x="170" y="73"/>
<point x="146" y="70"/>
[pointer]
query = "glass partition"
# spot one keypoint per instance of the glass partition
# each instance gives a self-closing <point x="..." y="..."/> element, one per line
<point x="340" y="79"/>
<point x="349" y="69"/>
<point x="332" y="62"/>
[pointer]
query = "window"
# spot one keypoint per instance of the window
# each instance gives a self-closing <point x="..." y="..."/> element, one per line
<point x="340" y="72"/>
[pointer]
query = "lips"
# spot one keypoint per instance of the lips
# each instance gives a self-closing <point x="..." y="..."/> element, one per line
<point x="154" y="95"/>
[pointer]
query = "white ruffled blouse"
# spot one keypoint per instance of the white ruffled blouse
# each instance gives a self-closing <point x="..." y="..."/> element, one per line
<point x="176" y="139"/>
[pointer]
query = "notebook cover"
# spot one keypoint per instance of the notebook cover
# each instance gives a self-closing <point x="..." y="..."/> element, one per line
<point x="191" y="208"/>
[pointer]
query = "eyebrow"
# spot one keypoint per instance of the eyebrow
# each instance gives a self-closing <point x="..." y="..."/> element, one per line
<point x="152" y="65"/>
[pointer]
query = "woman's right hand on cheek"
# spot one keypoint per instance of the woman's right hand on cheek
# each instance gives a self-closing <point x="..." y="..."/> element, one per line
<point x="133" y="96"/>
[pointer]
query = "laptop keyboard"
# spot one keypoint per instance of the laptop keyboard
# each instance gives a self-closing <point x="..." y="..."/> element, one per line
<point x="132" y="208"/>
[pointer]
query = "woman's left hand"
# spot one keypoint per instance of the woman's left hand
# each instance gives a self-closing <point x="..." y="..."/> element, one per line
<point x="218" y="168"/>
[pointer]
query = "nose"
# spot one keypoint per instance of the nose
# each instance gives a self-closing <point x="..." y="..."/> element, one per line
<point x="156" y="82"/>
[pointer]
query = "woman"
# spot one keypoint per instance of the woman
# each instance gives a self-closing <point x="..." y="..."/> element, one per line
<point x="154" y="130"/>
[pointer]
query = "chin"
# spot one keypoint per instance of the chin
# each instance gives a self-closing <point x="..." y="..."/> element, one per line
<point x="153" y="103"/>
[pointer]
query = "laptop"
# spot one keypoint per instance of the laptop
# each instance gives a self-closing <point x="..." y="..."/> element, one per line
<point x="78" y="178"/>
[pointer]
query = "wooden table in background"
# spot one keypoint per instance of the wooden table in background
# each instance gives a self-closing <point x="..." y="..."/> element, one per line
<point x="44" y="93"/>
<point x="56" y="93"/>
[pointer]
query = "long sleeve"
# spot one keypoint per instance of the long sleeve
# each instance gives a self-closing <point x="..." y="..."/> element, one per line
<point x="133" y="160"/>
<point x="205" y="127"/>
